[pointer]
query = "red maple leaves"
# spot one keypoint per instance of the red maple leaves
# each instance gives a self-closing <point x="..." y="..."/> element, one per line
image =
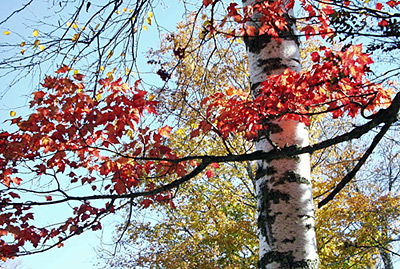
<point x="73" y="130"/>
<point x="336" y="84"/>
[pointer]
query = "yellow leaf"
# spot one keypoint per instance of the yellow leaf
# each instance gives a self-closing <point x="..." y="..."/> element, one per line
<point x="13" y="113"/>
<point x="75" y="38"/>
<point x="22" y="51"/>
<point x="6" y="32"/>
<point x="151" y="97"/>
<point x="101" y="68"/>
<point x="41" y="47"/>
<point x="75" y="26"/>
<point x="35" y="33"/>
<point x="150" y="14"/>
<point x="117" y="12"/>
<point x="125" y="9"/>
<point x="22" y="44"/>
<point x="148" y="20"/>
<point x="145" y="27"/>
<point x="36" y="43"/>
<point x="180" y="131"/>
<point x="98" y="97"/>
<point x="110" y="53"/>
<point x="76" y="71"/>
<point x="127" y="71"/>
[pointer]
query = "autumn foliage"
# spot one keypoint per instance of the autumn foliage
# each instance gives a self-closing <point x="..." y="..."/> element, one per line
<point x="99" y="137"/>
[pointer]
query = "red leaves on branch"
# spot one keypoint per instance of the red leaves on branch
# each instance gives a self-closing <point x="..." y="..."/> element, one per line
<point x="337" y="84"/>
<point x="77" y="136"/>
<point x="233" y="12"/>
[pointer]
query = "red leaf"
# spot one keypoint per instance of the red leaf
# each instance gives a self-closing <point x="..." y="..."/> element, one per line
<point x="210" y="173"/>
<point x="392" y="3"/>
<point x="195" y="133"/>
<point x="78" y="77"/>
<point x="379" y="6"/>
<point x="383" y="23"/>
<point x="120" y="187"/>
<point x="207" y="2"/>
<point x="315" y="56"/>
<point x="251" y="30"/>
<point x="146" y="202"/>
<point x="327" y="9"/>
<point x="16" y="180"/>
<point x="215" y="165"/>
<point x="14" y="195"/>
<point x="62" y="69"/>
<point x="49" y="198"/>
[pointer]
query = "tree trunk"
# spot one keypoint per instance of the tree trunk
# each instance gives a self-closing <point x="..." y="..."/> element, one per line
<point x="284" y="193"/>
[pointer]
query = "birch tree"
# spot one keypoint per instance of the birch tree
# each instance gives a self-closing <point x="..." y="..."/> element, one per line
<point x="283" y="186"/>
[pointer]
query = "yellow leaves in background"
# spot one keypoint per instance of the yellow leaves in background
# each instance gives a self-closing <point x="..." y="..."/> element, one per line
<point x="35" y="33"/>
<point x="13" y="113"/>
<point x="148" y="20"/>
<point x="6" y="32"/>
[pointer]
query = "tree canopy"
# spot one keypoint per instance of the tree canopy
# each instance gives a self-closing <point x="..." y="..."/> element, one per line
<point x="113" y="127"/>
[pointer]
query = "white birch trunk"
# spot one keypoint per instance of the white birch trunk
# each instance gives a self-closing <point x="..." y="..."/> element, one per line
<point x="283" y="186"/>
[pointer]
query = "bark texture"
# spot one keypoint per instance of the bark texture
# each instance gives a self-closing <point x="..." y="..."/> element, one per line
<point x="285" y="205"/>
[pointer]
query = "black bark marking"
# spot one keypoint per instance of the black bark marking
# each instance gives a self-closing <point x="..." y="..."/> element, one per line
<point x="287" y="240"/>
<point x="291" y="176"/>
<point x="256" y="43"/>
<point x="286" y="260"/>
<point x="271" y="64"/>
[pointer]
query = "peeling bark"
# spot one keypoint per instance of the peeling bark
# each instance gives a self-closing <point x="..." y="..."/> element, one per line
<point x="285" y="205"/>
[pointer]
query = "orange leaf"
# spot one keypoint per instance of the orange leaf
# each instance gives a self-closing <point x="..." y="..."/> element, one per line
<point x="164" y="131"/>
